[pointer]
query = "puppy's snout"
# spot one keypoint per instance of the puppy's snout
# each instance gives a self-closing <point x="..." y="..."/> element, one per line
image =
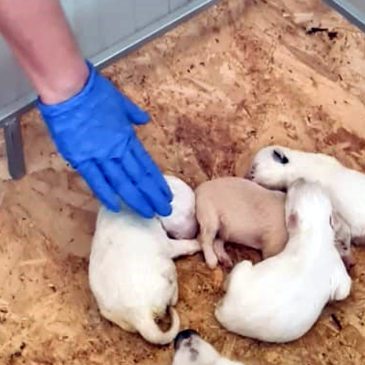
<point x="182" y="336"/>
<point x="349" y="262"/>
<point x="251" y="172"/>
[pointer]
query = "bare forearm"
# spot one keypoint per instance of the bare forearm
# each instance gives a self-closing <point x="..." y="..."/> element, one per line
<point x="41" y="40"/>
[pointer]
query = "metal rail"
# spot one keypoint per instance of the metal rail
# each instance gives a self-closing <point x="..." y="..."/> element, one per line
<point x="352" y="10"/>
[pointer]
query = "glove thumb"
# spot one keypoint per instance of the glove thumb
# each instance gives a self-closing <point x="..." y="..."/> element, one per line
<point x="135" y="113"/>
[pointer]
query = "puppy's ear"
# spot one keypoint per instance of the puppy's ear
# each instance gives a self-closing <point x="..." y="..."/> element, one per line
<point x="341" y="230"/>
<point x="293" y="220"/>
<point x="338" y="223"/>
<point x="336" y="220"/>
<point x="279" y="156"/>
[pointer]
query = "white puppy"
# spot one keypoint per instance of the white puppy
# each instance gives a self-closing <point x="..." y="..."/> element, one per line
<point x="277" y="167"/>
<point x="182" y="224"/>
<point x="131" y="271"/>
<point x="280" y="299"/>
<point x="191" y="349"/>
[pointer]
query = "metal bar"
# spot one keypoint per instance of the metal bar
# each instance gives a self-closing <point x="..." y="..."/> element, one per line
<point x="120" y="49"/>
<point x="352" y="10"/>
<point x="14" y="147"/>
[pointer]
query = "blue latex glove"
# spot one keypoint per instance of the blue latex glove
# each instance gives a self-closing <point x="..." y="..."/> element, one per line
<point x="93" y="132"/>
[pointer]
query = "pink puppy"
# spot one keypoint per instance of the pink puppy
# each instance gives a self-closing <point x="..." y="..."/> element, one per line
<point x="233" y="209"/>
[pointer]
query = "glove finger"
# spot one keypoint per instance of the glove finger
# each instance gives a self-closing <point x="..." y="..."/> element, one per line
<point x="134" y="112"/>
<point x="145" y="160"/>
<point x="146" y="185"/>
<point x="123" y="185"/>
<point x="99" y="185"/>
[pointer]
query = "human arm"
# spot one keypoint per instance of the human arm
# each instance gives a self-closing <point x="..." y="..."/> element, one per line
<point x="43" y="44"/>
<point x="89" y="120"/>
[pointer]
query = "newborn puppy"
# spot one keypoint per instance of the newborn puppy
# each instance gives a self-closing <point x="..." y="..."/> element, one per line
<point x="276" y="167"/>
<point x="237" y="210"/>
<point x="191" y="349"/>
<point x="280" y="299"/>
<point x="131" y="271"/>
<point x="232" y="209"/>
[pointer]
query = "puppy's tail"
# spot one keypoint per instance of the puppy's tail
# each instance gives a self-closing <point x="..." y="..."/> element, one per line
<point x="150" y="331"/>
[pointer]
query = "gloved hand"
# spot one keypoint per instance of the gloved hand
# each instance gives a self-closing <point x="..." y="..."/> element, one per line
<point x="93" y="131"/>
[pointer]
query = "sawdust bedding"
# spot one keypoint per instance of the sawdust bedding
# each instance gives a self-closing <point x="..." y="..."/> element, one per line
<point x="230" y="81"/>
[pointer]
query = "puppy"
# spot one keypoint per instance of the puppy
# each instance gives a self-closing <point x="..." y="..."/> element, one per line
<point x="277" y="167"/>
<point x="232" y="209"/>
<point x="191" y="349"/>
<point x="131" y="271"/>
<point x="280" y="299"/>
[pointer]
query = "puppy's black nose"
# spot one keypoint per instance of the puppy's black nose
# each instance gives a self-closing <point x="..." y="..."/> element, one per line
<point x="183" y="335"/>
<point x="250" y="174"/>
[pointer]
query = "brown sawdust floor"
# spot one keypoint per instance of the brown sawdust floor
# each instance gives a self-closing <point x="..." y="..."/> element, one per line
<point x="232" y="80"/>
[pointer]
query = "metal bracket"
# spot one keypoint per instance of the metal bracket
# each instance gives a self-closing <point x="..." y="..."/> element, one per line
<point x="14" y="147"/>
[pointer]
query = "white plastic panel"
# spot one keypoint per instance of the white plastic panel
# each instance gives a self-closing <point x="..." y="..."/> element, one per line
<point x="13" y="84"/>
<point x="99" y="24"/>
<point x="174" y="4"/>
<point x="117" y="22"/>
<point x="85" y="22"/>
<point x="148" y="11"/>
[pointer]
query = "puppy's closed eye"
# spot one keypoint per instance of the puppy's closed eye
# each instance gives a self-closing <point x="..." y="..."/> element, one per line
<point x="280" y="157"/>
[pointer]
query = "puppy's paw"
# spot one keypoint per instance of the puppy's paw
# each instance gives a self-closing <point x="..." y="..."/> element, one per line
<point x="210" y="257"/>
<point x="211" y="261"/>
<point x="226" y="261"/>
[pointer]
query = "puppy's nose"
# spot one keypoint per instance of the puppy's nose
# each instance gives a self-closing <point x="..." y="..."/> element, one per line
<point x="250" y="173"/>
<point x="183" y="335"/>
<point x="349" y="262"/>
